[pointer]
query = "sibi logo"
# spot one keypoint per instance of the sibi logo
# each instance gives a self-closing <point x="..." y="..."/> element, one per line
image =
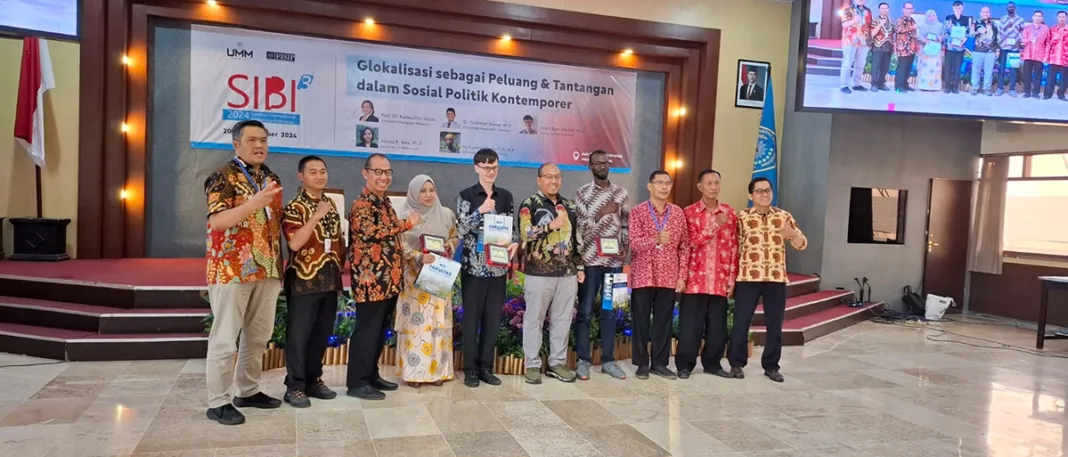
<point x="269" y="93"/>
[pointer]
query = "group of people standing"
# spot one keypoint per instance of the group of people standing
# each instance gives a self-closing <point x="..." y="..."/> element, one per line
<point x="698" y="257"/>
<point x="938" y="48"/>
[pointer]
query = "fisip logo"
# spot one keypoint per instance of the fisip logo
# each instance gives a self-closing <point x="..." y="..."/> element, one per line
<point x="283" y="56"/>
<point x="265" y="93"/>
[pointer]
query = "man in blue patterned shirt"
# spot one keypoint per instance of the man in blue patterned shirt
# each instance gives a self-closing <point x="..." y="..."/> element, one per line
<point x="483" y="284"/>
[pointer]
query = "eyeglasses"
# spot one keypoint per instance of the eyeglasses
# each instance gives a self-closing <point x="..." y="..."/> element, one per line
<point x="762" y="191"/>
<point x="552" y="177"/>
<point x="601" y="163"/>
<point x="662" y="183"/>
<point x="491" y="168"/>
<point x="380" y="172"/>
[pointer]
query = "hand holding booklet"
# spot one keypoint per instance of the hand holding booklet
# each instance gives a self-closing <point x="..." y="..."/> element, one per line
<point x="438" y="278"/>
<point x="615" y="294"/>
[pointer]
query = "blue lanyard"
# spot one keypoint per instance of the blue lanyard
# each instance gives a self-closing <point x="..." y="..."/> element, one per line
<point x="660" y="224"/>
<point x="255" y="185"/>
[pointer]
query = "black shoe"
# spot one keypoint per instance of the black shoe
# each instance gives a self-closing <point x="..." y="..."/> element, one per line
<point x="297" y="398"/>
<point x="259" y="400"/>
<point x="1026" y="95"/>
<point x="860" y="88"/>
<point x="875" y="89"/>
<point x="664" y="372"/>
<point x="320" y="391"/>
<point x="642" y="373"/>
<point x="737" y="373"/>
<point x="684" y="374"/>
<point x="471" y="380"/>
<point x="717" y="372"/>
<point x="366" y="393"/>
<point x="226" y="415"/>
<point x="382" y="384"/>
<point x="774" y="375"/>
<point x="487" y="377"/>
<point x="846" y="90"/>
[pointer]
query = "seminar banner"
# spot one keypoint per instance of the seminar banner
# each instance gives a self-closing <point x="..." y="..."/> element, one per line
<point x="339" y="98"/>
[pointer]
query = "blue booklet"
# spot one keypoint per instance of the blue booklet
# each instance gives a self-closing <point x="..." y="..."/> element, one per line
<point x="438" y="278"/>
<point x="615" y="294"/>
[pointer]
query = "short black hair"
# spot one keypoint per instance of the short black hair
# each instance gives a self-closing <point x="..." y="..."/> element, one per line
<point x="367" y="163"/>
<point x="306" y="159"/>
<point x="883" y="3"/>
<point x="702" y="173"/>
<point x="486" y="155"/>
<point x="658" y="173"/>
<point x="528" y="118"/>
<point x="450" y="110"/>
<point x="1039" y="13"/>
<point x="239" y="128"/>
<point x="759" y="179"/>
<point x="958" y="3"/>
<point x="1062" y="12"/>
<point x="598" y="152"/>
<point x="542" y="167"/>
<point x="368" y="102"/>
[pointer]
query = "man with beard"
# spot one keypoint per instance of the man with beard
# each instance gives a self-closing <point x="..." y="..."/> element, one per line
<point x="602" y="218"/>
<point x="1010" y="27"/>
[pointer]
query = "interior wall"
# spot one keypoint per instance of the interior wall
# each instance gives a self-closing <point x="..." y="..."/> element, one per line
<point x="752" y="30"/>
<point x="59" y="177"/>
<point x="1008" y="137"/>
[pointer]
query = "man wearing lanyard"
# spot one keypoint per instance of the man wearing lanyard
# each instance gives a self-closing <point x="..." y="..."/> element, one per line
<point x="660" y="254"/>
<point x="312" y="228"/>
<point x="244" y="260"/>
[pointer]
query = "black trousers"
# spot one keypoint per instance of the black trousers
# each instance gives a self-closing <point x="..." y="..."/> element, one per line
<point x="1003" y="70"/>
<point x="309" y="322"/>
<point x="951" y="70"/>
<point x="701" y="316"/>
<point x="659" y="302"/>
<point x="483" y="300"/>
<point x="880" y="66"/>
<point x="904" y="70"/>
<point x="1032" y="77"/>
<point x="368" y="339"/>
<point x="746" y="297"/>
<point x="1054" y="72"/>
<point x="590" y="294"/>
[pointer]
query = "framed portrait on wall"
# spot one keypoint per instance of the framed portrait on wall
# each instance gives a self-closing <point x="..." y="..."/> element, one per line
<point x="751" y="83"/>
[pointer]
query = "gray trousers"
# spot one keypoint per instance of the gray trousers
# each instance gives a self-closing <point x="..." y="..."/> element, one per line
<point x="245" y="309"/>
<point x="854" y="58"/>
<point x="554" y="296"/>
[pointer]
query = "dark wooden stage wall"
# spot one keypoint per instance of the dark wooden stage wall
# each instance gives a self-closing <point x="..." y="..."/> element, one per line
<point x="111" y="161"/>
<point x="1016" y="292"/>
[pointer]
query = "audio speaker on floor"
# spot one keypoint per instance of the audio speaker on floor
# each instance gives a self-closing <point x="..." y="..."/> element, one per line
<point x="39" y="239"/>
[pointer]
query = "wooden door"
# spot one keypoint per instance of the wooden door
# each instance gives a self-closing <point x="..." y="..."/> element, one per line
<point x="949" y="210"/>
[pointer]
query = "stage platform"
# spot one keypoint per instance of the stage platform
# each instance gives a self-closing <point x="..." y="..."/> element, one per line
<point x="146" y="309"/>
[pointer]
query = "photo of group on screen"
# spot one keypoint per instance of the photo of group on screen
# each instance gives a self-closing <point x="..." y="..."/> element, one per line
<point x="368" y="109"/>
<point x="528" y="126"/>
<point x="450" y="120"/>
<point x="449" y="142"/>
<point x="943" y="48"/>
<point x="367" y="137"/>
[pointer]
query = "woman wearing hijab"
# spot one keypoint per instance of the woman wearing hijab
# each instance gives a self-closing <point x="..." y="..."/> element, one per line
<point x="424" y="321"/>
<point x="929" y="65"/>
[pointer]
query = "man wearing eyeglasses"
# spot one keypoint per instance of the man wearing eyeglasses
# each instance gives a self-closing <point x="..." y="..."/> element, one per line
<point x="602" y="218"/>
<point x="763" y="231"/>
<point x="483" y="284"/>
<point x="375" y="258"/>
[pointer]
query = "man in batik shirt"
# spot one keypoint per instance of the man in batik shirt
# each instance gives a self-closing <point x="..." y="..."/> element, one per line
<point x="1058" y="57"/>
<point x="984" y="53"/>
<point x="882" y="47"/>
<point x="1010" y="26"/>
<point x="856" y="38"/>
<point x="906" y="44"/>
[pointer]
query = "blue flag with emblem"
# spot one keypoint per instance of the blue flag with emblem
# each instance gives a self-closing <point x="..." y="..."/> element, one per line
<point x="765" y="159"/>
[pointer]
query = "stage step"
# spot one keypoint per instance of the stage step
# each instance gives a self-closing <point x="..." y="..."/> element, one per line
<point x="803" y="329"/>
<point x="823" y="70"/>
<point x="811" y="303"/>
<point x="100" y="319"/>
<point x="824" y="61"/>
<point x="81" y="346"/>
<point x="824" y="51"/>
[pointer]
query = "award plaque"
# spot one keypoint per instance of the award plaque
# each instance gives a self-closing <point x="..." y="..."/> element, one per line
<point x="497" y="255"/>
<point x="608" y="246"/>
<point x="434" y="244"/>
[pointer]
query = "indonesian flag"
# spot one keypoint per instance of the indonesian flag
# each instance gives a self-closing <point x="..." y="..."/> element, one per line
<point x="35" y="79"/>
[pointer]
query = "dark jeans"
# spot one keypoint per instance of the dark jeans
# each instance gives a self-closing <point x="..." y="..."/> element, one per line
<point x="1003" y="69"/>
<point x="904" y="70"/>
<point x="590" y="293"/>
<point x="1032" y="77"/>
<point x="660" y="303"/>
<point x="701" y="316"/>
<point x="951" y="70"/>
<point x="746" y="297"/>
<point x="483" y="300"/>
<point x="309" y="322"/>
<point x="368" y="339"/>
<point x="880" y="66"/>
<point x="1054" y="71"/>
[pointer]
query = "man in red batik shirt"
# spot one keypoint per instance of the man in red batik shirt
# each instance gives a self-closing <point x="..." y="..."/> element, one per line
<point x="712" y="229"/>
<point x="659" y="251"/>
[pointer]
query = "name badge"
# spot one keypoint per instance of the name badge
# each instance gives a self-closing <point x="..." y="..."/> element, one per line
<point x="608" y="246"/>
<point x="328" y="245"/>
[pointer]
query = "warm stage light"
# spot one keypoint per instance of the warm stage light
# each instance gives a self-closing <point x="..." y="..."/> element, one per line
<point x="123" y="194"/>
<point x="124" y="127"/>
<point x="506" y="37"/>
<point x="369" y="21"/>
<point x="126" y="59"/>
<point x="628" y="52"/>
<point x="681" y="111"/>
<point x="678" y="164"/>
<point x="212" y="2"/>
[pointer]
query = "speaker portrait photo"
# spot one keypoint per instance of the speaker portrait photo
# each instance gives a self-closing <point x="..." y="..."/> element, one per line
<point x="752" y="79"/>
<point x="367" y="137"/>
<point x="449" y="142"/>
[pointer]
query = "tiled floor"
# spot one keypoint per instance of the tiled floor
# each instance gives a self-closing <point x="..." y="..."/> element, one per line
<point x="872" y="390"/>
